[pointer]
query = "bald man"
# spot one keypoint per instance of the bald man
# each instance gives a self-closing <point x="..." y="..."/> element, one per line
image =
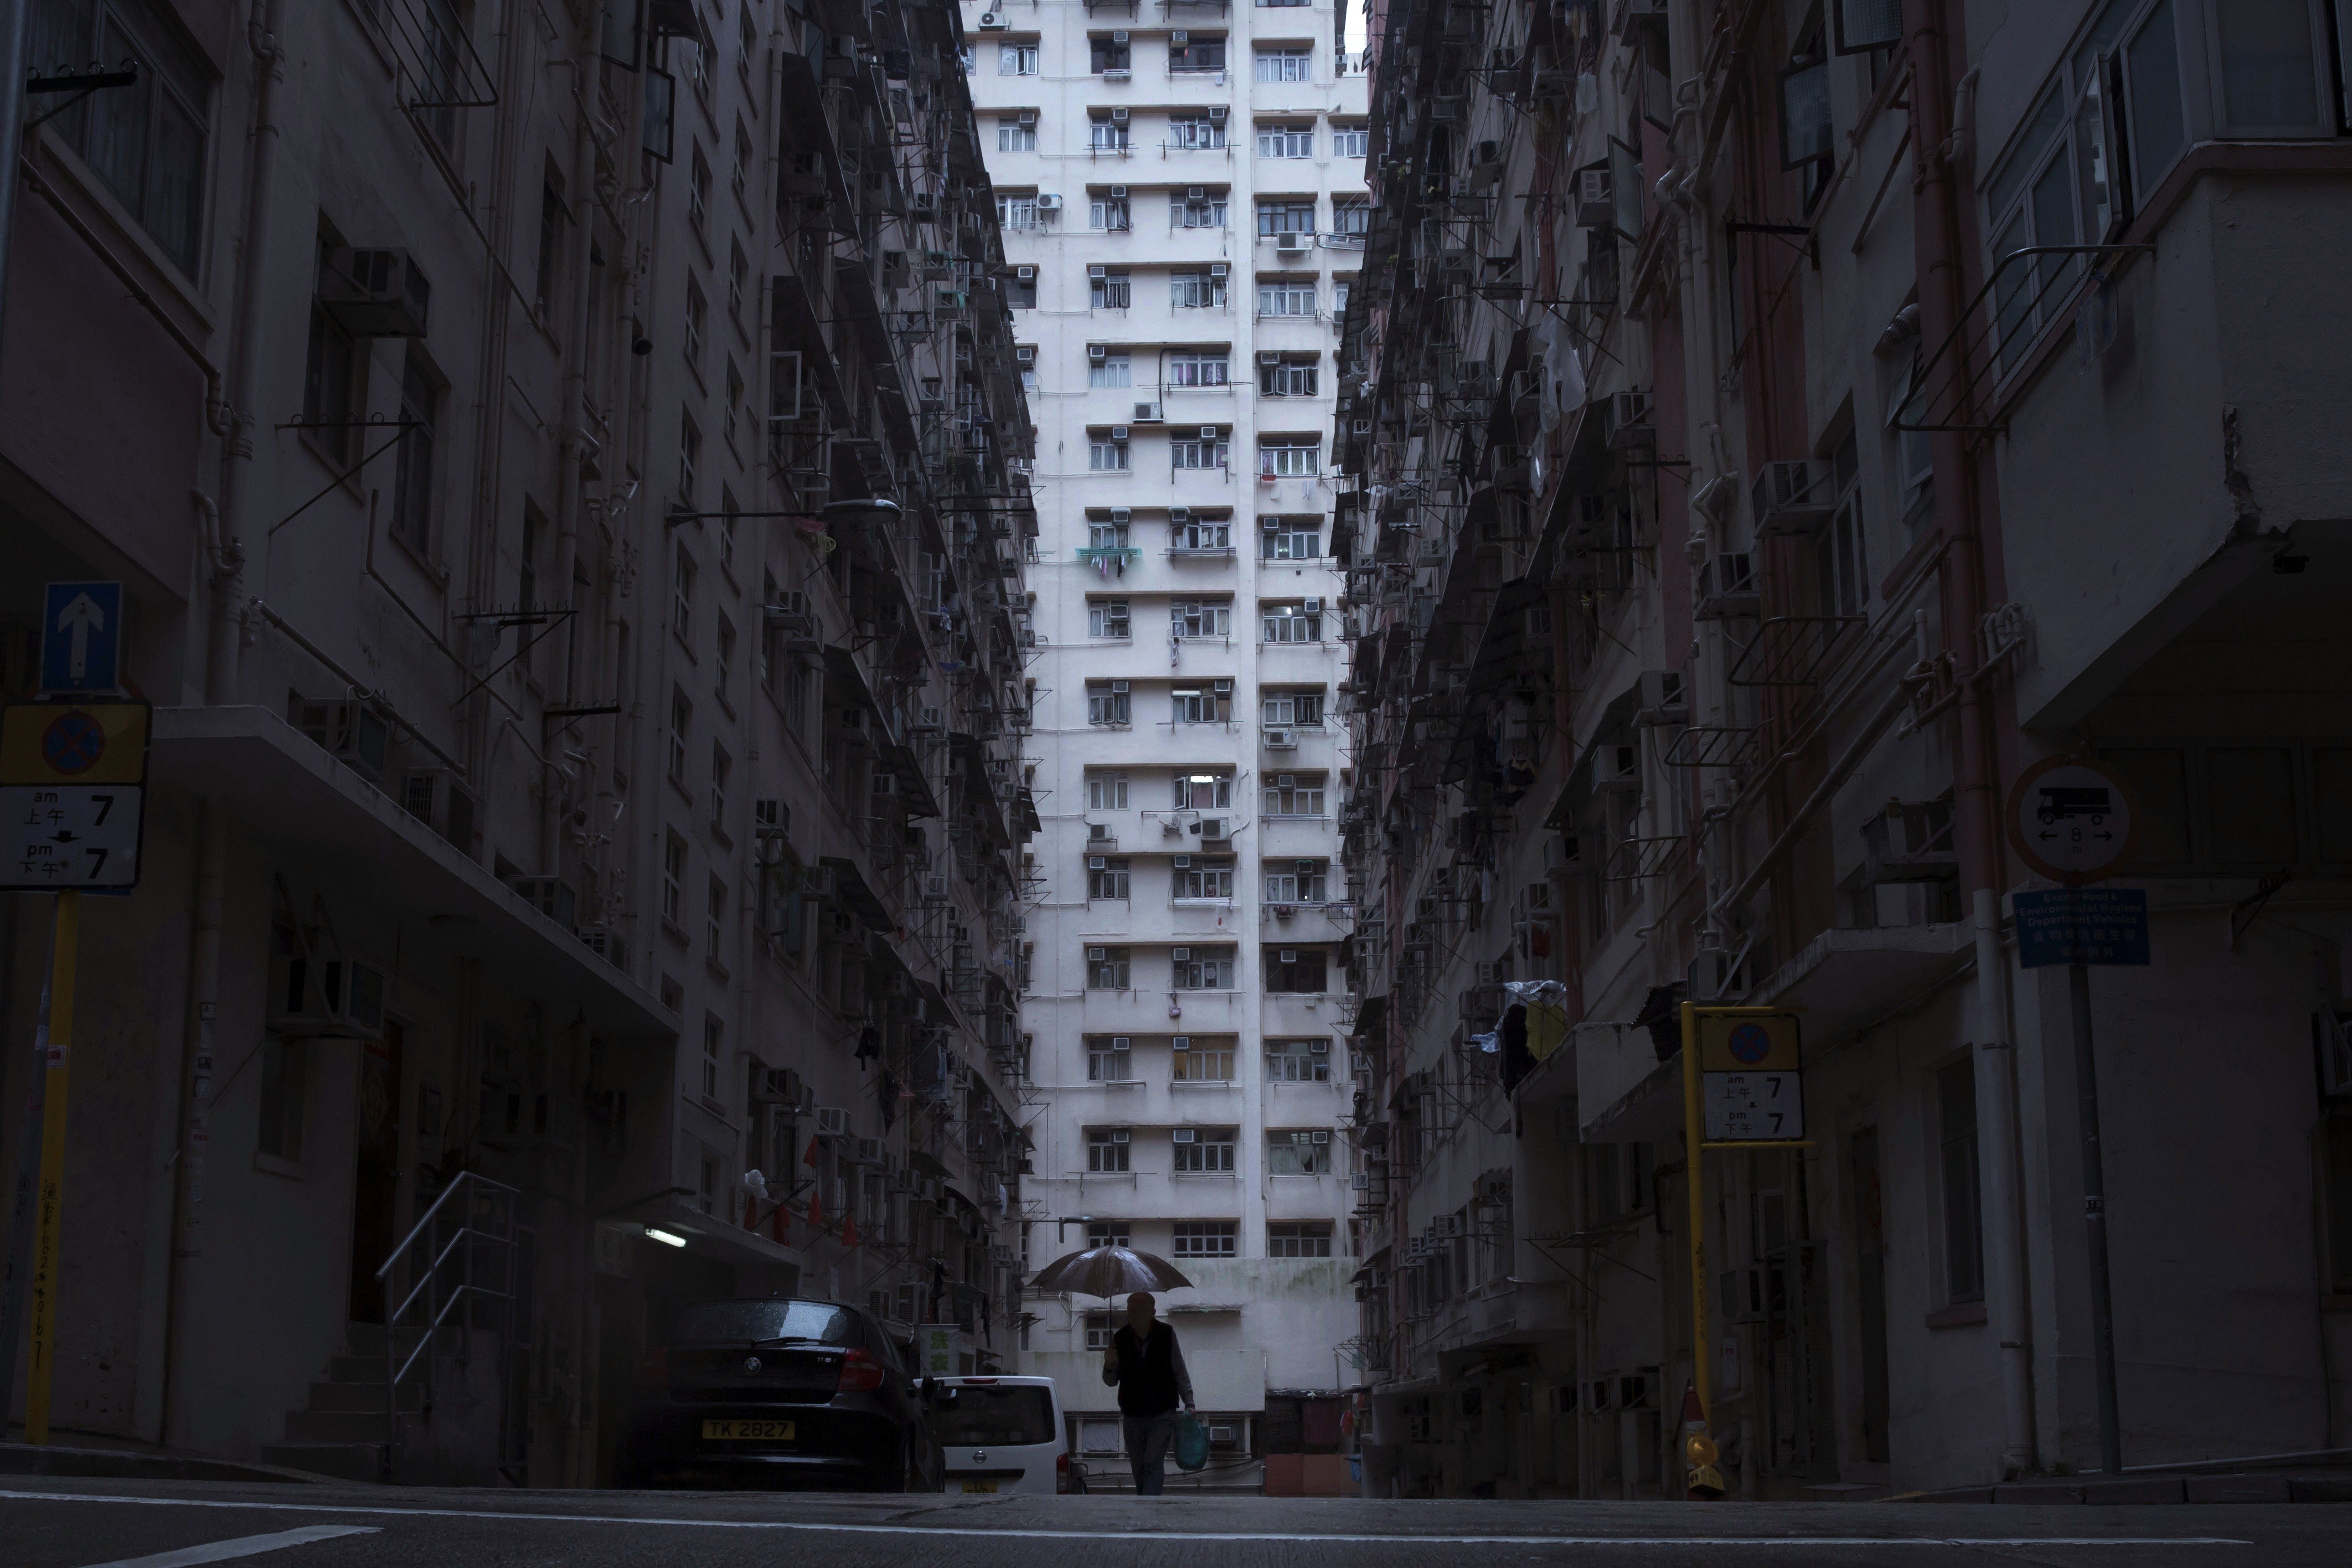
<point x="1145" y="1363"/>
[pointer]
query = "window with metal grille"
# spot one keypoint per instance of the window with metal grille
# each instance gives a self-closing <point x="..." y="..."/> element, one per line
<point x="1107" y="1148"/>
<point x="1192" y="132"/>
<point x="1107" y="135"/>
<point x="1197" y="54"/>
<point x="1185" y="213"/>
<point x="1199" y="454"/>
<point x="1110" y="55"/>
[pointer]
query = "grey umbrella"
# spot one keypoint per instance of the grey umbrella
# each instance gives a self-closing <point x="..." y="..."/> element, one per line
<point x="1109" y="1271"/>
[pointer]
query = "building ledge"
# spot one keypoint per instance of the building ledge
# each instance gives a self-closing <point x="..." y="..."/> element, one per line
<point x="1847" y="980"/>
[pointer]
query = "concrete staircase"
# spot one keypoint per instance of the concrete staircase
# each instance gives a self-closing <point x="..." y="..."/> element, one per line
<point x="344" y="1428"/>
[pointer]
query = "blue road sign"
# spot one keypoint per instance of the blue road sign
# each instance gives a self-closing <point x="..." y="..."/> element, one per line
<point x="81" y="638"/>
<point x="2081" y="925"/>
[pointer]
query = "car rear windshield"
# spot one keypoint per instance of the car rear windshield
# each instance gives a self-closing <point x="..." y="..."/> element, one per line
<point x="745" y="1322"/>
<point x="1007" y="1418"/>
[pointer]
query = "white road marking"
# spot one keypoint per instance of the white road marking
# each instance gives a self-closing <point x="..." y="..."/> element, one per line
<point x="1302" y="1538"/>
<point x="243" y="1546"/>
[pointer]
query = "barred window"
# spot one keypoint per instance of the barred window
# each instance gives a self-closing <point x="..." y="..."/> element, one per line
<point x="1207" y="1237"/>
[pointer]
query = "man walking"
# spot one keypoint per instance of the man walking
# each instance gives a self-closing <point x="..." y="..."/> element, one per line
<point x="1147" y="1366"/>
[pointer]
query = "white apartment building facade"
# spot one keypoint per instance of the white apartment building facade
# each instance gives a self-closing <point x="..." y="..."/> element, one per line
<point x="1181" y="189"/>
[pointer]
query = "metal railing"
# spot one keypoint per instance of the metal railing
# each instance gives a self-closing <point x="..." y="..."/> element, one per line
<point x="465" y="1262"/>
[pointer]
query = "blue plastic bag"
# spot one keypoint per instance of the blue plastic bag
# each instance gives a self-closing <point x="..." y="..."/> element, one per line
<point x="1191" y="1443"/>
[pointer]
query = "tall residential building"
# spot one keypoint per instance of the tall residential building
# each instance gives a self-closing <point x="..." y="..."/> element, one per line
<point x="1183" y="195"/>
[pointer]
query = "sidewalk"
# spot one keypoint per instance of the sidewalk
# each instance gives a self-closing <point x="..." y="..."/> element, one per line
<point x="88" y="1454"/>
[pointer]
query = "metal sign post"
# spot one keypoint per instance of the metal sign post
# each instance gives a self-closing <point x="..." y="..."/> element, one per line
<point x="2074" y="820"/>
<point x="1743" y="1088"/>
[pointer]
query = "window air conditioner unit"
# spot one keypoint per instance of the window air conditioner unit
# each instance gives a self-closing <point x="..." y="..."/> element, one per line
<point x="1027" y="275"/>
<point x="551" y="896"/>
<point x="376" y="293"/>
<point x="1269" y="356"/>
<point x="1098" y="954"/>
<point x="1791" y="497"/>
<point x="1217" y="113"/>
<point x="1181" y="1135"/>
<point x="1617" y="767"/>
<point x="1179" y="38"/>
<point x="348" y="730"/>
<point x="1180" y="1043"/>
<point x="1119" y="37"/>
<point x="1117" y="686"/>
<point x="832" y="1121"/>
<point x="1362" y="1180"/>
<point x="1595" y="206"/>
<point x="1181" y="955"/>
<point x="1119" y="193"/>
<point x="1628" y="422"/>
<point x="440" y="800"/>
<point x="1097" y="352"/>
<point x="1290" y="245"/>
<point x="1121" y="1042"/>
<point x="1196" y="193"/>
<point x="1119" y="1134"/>
<point x="1223" y="688"/>
<point x="886" y="783"/>
<point x="1147" y="414"/>
<point x="1121" y="513"/>
<point x="1314" y="606"/>
<point x="1212" y="827"/>
<point x="1216" y="269"/>
<point x="1047" y="202"/>
<point x="1118" y="433"/>
<point x="1029" y="117"/>
<point x="868" y="1151"/>
<point x="1318" y="1048"/>
<point x="1662" y="699"/>
<point x="1449" y="1225"/>
<point x="1096" y="862"/>
<point x="1119" y="117"/>
<point x="1182" y="862"/>
<point x="1096" y="270"/>
<point x="1281" y="740"/>
<point x="334" y="998"/>
<point x="1727" y="585"/>
<point x="1320" y="1135"/>
<point x="1208" y="432"/>
<point x="775" y="1086"/>
<point x="1025" y="355"/>
<point x="1179" y="514"/>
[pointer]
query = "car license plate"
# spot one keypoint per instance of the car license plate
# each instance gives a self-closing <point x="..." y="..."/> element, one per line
<point x="980" y="1486"/>
<point x="737" y="1431"/>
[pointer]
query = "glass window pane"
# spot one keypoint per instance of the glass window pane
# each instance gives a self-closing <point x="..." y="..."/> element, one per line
<point x="2026" y="157"/>
<point x="2250" y="806"/>
<point x="2266" y="64"/>
<point x="2053" y="224"/>
<point x="2152" y="63"/>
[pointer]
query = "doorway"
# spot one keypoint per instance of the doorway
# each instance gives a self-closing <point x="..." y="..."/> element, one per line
<point x="375" y="1189"/>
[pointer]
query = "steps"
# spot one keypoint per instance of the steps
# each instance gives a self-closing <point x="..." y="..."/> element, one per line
<point x="345" y="1427"/>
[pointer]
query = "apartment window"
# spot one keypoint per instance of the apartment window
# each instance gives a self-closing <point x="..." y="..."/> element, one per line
<point x="1100" y="1329"/>
<point x="967" y="56"/>
<point x="1197" y="54"/>
<point x="1109" y="1060"/>
<point x="1196" y="291"/>
<point x="1105" y="456"/>
<point x="285" y="1097"/>
<point x="681" y="720"/>
<point x="1016" y="59"/>
<point x="738" y="171"/>
<point x="1290" y="539"/>
<point x="1297" y="969"/>
<point x="1295" y="882"/>
<point x="1105" y="792"/>
<point x="1914" y="455"/>
<point x="681" y="593"/>
<point x="1204" y="1151"/>
<point x="1106" y="618"/>
<point x="1293" y="710"/>
<point x="1020" y="294"/>
<point x="1110" y="213"/>
<point x="1286" y="297"/>
<point x="1198" y="367"/>
<point x="330" y="379"/>
<point x="1266" y="3"/>
<point x="673" y="879"/>
<point x="1106" y="969"/>
<point x="2271" y="57"/>
<point x="1293" y="795"/>
<point x="1196" y="1061"/>
<point x="1114" y="368"/>
<point x="1107" y="1148"/>
<point x="412" y="471"/>
<point x="697" y="191"/>
<point x="1106" y="702"/>
<point x="1202" y="877"/>
<point x="713" y="1055"/>
<point x="1298" y="1061"/>
<point x="1208" y="212"/>
<point x="1201" y="969"/>
<point x="1841" y="554"/>
<point x="1351" y="142"/>
<point x="1107" y="877"/>
<point x="1351" y="214"/>
<point x="1294" y="458"/>
<point x="1203" y="791"/>
<point x="1956" y="1119"/>
<point x="707" y="1183"/>
<point x="1298" y="1153"/>
<point x="1207" y="1237"/>
<point x="1105" y="134"/>
<point x="1198" y="534"/>
<point x="1018" y="136"/>
<point x="1106" y="536"/>
<point x="739" y="280"/>
<point x="697" y="313"/>
<point x="1015" y="214"/>
<point x="1195" y="133"/>
<point x="1287" y="378"/>
<point x="1114" y="291"/>
<point x="553" y="219"/>
<point x="722" y="768"/>
<point x="1286" y="141"/>
<point x="1291" y="624"/>
<point x="689" y="459"/>
<point x="1286" y="63"/>
<point x="1338" y="298"/>
<point x="728" y="508"/>
<point x="146" y="141"/>
<point x="1109" y="55"/>
<point x="1199" y="452"/>
<point x="798" y="684"/>
<point x="1200" y="618"/>
<point x="1198" y="705"/>
<point x="1105" y="1233"/>
<point x="1300" y="1237"/>
<point x="1287" y="215"/>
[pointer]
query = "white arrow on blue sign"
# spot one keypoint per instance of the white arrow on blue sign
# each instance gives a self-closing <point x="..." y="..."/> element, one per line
<point x="81" y="638"/>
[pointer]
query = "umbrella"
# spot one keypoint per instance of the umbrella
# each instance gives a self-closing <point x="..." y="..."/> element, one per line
<point x="1107" y="1272"/>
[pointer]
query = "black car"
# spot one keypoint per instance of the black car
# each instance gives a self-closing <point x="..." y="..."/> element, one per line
<point x="782" y="1393"/>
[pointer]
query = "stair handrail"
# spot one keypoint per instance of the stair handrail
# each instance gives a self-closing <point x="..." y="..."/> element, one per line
<point x="396" y="1368"/>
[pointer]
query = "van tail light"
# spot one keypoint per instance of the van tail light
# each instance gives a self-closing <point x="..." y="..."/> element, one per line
<point x="1060" y="1472"/>
<point x="860" y="1374"/>
<point x="653" y="1371"/>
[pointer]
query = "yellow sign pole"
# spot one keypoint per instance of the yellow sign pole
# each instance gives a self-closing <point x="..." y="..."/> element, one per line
<point x="51" y="1202"/>
<point x="1693" y="1178"/>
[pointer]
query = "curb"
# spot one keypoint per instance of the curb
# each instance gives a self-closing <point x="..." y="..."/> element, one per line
<point x="2145" y="1489"/>
<point x="125" y="1464"/>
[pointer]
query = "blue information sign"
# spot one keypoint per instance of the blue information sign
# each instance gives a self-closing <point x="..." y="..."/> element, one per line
<point x="81" y="638"/>
<point x="2082" y="925"/>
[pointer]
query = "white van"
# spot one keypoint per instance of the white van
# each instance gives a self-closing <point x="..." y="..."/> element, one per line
<point x="1002" y="1434"/>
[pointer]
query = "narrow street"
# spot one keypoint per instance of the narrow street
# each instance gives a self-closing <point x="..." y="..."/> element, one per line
<point x="52" y="1523"/>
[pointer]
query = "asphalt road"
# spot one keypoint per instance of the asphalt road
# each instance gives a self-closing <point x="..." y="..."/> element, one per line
<point x="56" y="1523"/>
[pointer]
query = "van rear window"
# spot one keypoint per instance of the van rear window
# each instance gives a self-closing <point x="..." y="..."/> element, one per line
<point x="1007" y="1418"/>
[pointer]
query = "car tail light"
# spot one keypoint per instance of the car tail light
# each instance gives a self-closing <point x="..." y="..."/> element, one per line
<point x="1060" y="1472"/>
<point x="653" y="1371"/>
<point x="860" y="1374"/>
